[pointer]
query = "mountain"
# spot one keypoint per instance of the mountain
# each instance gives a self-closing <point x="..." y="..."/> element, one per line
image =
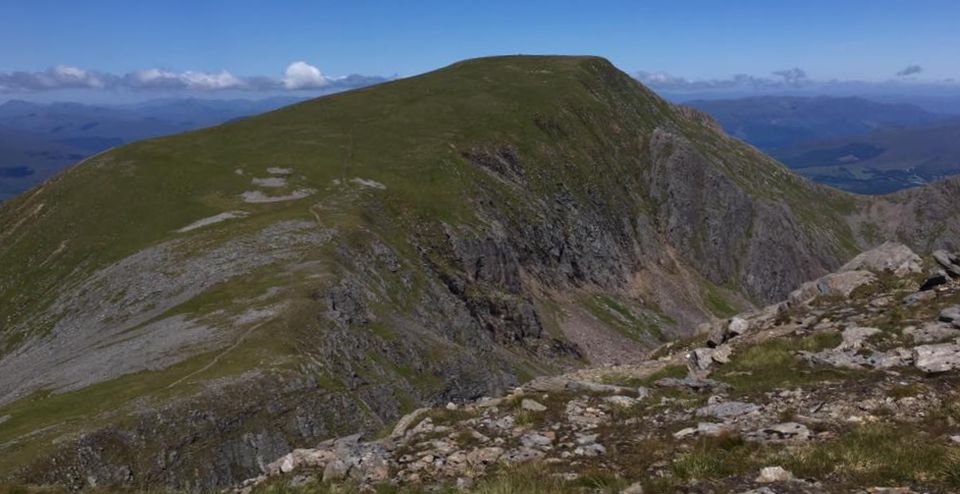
<point x="773" y="122"/>
<point x="184" y="310"/>
<point x="41" y="139"/>
<point x="881" y="161"/>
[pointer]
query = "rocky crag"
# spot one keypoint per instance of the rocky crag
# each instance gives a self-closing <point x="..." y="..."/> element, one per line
<point x="850" y="385"/>
<point x="181" y="311"/>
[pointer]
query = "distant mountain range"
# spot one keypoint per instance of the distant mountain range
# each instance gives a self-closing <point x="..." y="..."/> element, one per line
<point x="851" y="143"/>
<point x="37" y="140"/>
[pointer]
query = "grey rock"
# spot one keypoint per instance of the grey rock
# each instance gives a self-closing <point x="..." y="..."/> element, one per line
<point x="483" y="457"/>
<point x="887" y="257"/>
<point x="932" y="332"/>
<point x="949" y="262"/>
<point x="690" y="382"/>
<point x="951" y="314"/>
<point x="937" y="358"/>
<point x="522" y="455"/>
<point x="774" y="474"/>
<point x="532" y="405"/>
<point x="834" y="284"/>
<point x="920" y="296"/>
<point x="620" y="401"/>
<point x="727" y="409"/>
<point x="736" y="326"/>
<point x="787" y="431"/>
<point x="854" y="337"/>
<point x="535" y="440"/>
<point x="407" y="421"/>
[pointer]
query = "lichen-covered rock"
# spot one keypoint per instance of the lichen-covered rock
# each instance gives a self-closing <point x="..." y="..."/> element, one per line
<point x="937" y="358"/>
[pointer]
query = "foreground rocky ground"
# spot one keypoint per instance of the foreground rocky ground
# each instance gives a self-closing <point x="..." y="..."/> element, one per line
<point x="849" y="386"/>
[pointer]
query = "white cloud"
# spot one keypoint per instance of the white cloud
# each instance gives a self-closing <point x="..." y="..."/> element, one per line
<point x="301" y="75"/>
<point x="203" y="81"/>
<point x="298" y="75"/>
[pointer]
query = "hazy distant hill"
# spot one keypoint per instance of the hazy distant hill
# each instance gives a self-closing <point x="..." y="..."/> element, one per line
<point x="771" y="122"/>
<point x="851" y="143"/>
<point x="881" y="161"/>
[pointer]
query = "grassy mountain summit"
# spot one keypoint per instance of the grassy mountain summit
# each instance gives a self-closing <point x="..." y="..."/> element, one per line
<point x="183" y="310"/>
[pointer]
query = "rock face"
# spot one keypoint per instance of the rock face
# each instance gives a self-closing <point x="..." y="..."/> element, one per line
<point x="409" y="256"/>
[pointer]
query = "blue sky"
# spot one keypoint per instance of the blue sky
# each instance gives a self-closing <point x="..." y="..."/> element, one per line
<point x="688" y="40"/>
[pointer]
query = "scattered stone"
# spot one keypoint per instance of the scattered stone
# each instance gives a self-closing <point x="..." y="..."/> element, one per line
<point x="536" y="440"/>
<point x="642" y="392"/>
<point x="635" y="488"/>
<point x="931" y="332"/>
<point x="854" y="337"/>
<point x="774" y="474"/>
<point x="620" y="401"/>
<point x="937" y="358"/>
<point x="787" y="431"/>
<point x="407" y="421"/>
<point x="532" y="406"/>
<point x="484" y="456"/>
<point x="522" y="455"/>
<point x="727" y="409"/>
<point x="270" y="182"/>
<point x="690" y="382"/>
<point x="275" y="170"/>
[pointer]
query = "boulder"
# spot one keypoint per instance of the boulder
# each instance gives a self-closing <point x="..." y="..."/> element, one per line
<point x="774" y="474"/>
<point x="951" y="315"/>
<point x="949" y="262"/>
<point x="834" y="284"/>
<point x="854" y="337"/>
<point x="937" y="358"/>
<point x="725" y="332"/>
<point x="931" y="332"/>
<point x="934" y="281"/>
<point x="888" y="257"/>
<point x="407" y="421"/>
<point x="532" y="406"/>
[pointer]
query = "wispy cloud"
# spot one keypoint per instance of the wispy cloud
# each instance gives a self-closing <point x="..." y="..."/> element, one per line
<point x="792" y="81"/>
<point x="781" y="79"/>
<point x="298" y="76"/>
<point x="910" y="70"/>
